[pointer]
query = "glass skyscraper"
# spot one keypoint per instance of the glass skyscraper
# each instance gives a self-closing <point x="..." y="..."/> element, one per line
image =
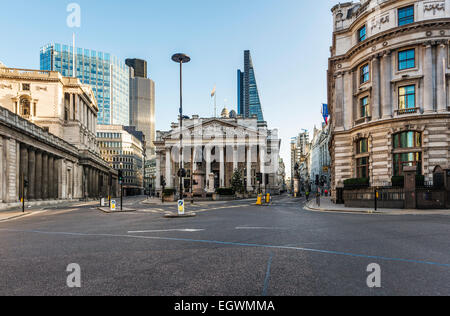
<point x="249" y="103"/>
<point x="107" y="75"/>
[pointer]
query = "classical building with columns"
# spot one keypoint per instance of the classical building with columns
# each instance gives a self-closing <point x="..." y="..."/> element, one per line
<point x="388" y="89"/>
<point x="213" y="148"/>
<point x="48" y="139"/>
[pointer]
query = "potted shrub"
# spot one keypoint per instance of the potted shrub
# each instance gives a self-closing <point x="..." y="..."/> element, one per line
<point x="398" y="181"/>
<point x="356" y="183"/>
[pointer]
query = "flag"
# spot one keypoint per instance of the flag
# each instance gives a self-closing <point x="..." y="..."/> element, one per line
<point x="325" y="113"/>
<point x="213" y="93"/>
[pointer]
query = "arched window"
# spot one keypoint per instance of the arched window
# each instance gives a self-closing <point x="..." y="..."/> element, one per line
<point x="25" y="108"/>
<point x="413" y="157"/>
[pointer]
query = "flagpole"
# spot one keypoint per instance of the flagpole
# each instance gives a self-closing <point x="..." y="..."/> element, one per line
<point x="74" y="75"/>
<point x="215" y="105"/>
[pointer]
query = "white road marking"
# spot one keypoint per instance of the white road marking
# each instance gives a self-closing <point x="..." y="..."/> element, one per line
<point x="166" y="230"/>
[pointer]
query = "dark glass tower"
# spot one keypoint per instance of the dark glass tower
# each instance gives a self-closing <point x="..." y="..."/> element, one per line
<point x="249" y="103"/>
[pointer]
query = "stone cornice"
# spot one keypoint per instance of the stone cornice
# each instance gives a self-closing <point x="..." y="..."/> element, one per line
<point x="382" y="37"/>
<point x="388" y="122"/>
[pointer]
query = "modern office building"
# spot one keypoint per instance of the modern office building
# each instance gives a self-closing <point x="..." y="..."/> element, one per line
<point x="107" y="75"/>
<point x="123" y="148"/>
<point x="139" y="66"/>
<point x="249" y="103"/>
<point x="142" y="102"/>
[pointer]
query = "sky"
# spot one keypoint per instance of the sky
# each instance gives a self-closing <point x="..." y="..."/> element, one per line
<point x="289" y="41"/>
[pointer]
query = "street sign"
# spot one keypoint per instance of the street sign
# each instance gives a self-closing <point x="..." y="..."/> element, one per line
<point x="326" y="169"/>
<point x="180" y="207"/>
<point x="113" y="205"/>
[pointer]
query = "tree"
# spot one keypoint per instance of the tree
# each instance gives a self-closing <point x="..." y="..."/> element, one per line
<point x="236" y="182"/>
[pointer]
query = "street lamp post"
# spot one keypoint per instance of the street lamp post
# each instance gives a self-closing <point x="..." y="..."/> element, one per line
<point x="181" y="59"/>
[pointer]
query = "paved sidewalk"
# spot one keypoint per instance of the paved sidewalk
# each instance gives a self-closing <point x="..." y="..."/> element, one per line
<point x="7" y="215"/>
<point x="327" y="206"/>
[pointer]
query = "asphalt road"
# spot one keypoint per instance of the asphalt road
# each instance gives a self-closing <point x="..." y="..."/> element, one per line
<point x="232" y="249"/>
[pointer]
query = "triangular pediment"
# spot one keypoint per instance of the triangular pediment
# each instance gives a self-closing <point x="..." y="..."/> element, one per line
<point x="217" y="128"/>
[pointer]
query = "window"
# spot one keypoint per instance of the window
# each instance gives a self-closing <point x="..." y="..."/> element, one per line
<point x="362" y="34"/>
<point x="407" y="160"/>
<point x="406" y="15"/>
<point x="362" y="146"/>
<point x="405" y="140"/>
<point x="364" y="109"/>
<point x="408" y="140"/>
<point x="407" y="97"/>
<point x="26" y="87"/>
<point x="362" y="166"/>
<point x="25" y="107"/>
<point x="365" y="73"/>
<point x="407" y="59"/>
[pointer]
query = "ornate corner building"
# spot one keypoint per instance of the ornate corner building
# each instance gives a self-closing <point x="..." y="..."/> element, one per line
<point x="388" y="89"/>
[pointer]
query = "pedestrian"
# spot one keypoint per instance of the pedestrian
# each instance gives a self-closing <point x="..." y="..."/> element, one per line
<point x="318" y="198"/>
<point x="307" y="195"/>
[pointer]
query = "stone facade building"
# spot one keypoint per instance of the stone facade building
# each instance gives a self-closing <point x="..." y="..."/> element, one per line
<point x="213" y="149"/>
<point x="47" y="138"/>
<point x="388" y="89"/>
<point x="123" y="147"/>
<point x="320" y="159"/>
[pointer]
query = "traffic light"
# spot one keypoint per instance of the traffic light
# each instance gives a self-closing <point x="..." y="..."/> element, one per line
<point x="259" y="177"/>
<point x="182" y="173"/>
<point x="120" y="176"/>
<point x="317" y="179"/>
<point x="25" y="183"/>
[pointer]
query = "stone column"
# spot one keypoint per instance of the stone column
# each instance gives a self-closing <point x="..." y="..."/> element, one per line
<point x="168" y="168"/>
<point x="347" y="105"/>
<point x="235" y="159"/>
<point x="23" y="168"/>
<point x="249" y="169"/>
<point x="339" y="101"/>
<point x="194" y="158"/>
<point x="71" y="107"/>
<point x="262" y="156"/>
<point x="51" y="161"/>
<point x="208" y="161"/>
<point x="158" y="172"/>
<point x="31" y="174"/>
<point x="97" y="188"/>
<point x="428" y="80"/>
<point x="44" y="176"/>
<point x="222" y="166"/>
<point x="441" y="66"/>
<point x="375" y="113"/>
<point x="386" y="100"/>
<point x="56" y="172"/>
<point x="38" y="181"/>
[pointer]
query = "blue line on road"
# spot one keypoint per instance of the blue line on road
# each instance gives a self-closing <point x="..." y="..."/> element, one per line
<point x="266" y="280"/>
<point x="227" y="243"/>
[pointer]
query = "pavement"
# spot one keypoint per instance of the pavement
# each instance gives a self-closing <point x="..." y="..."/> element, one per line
<point x="326" y="205"/>
<point x="229" y="249"/>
